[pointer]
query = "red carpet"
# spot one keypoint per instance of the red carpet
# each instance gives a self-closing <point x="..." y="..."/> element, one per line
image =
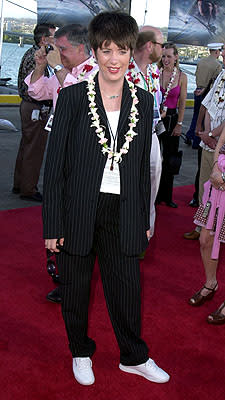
<point x="35" y="360"/>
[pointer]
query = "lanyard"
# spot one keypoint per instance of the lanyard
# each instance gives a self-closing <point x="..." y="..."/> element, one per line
<point x="114" y="138"/>
<point x="146" y="80"/>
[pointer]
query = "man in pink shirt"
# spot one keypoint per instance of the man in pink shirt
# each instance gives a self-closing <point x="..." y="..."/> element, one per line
<point x="70" y="59"/>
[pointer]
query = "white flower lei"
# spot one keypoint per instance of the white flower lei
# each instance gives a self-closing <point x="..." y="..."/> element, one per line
<point x="169" y="84"/>
<point x="217" y="98"/>
<point x="134" y="76"/>
<point x="100" y="130"/>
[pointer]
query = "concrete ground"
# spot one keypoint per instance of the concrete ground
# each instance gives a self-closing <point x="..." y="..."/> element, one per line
<point x="9" y="143"/>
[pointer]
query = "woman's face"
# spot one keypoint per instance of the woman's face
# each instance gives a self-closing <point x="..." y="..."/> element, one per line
<point x="168" y="58"/>
<point x="113" y="62"/>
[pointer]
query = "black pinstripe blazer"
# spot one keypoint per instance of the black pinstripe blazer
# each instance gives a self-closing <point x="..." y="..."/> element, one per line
<point x="75" y="165"/>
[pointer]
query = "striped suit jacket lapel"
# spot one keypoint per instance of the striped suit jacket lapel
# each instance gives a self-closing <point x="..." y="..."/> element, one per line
<point x="124" y="114"/>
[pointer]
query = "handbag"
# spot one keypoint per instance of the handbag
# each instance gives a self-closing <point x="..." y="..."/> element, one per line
<point x="159" y="128"/>
<point x="174" y="162"/>
<point x="170" y="122"/>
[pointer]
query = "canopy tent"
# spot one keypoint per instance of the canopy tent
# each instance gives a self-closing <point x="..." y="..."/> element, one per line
<point x="63" y="12"/>
<point x="197" y="22"/>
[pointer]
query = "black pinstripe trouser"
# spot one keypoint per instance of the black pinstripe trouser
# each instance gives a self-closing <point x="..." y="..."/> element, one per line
<point x="120" y="276"/>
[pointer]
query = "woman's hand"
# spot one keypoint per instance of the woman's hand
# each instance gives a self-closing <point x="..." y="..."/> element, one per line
<point x="177" y="130"/>
<point x="216" y="178"/>
<point x="163" y="114"/>
<point x="148" y="233"/>
<point x="51" y="244"/>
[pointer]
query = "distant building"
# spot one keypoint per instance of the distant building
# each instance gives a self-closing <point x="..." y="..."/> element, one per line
<point x="8" y="26"/>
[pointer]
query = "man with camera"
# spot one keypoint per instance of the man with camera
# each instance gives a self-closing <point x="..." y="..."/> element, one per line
<point x="70" y="59"/>
<point x="34" y="115"/>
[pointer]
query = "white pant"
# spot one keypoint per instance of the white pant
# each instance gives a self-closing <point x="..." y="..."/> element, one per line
<point x="156" y="169"/>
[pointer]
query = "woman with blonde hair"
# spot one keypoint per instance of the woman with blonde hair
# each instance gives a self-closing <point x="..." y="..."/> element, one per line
<point x="173" y="85"/>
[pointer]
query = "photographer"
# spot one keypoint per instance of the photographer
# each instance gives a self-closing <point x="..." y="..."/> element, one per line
<point x="70" y="60"/>
<point x="34" y="115"/>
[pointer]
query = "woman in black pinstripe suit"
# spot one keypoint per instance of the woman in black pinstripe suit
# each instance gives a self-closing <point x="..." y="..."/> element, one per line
<point x="97" y="196"/>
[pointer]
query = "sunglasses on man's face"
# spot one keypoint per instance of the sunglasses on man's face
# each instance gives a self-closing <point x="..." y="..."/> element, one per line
<point x="160" y="44"/>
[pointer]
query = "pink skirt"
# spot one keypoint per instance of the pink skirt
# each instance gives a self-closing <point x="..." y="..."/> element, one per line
<point x="215" y="220"/>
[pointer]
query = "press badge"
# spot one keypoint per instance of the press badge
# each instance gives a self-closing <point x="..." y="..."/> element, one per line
<point x="48" y="126"/>
<point x="206" y="209"/>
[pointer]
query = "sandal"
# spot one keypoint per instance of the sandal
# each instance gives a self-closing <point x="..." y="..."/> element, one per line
<point x="198" y="299"/>
<point x="217" y="318"/>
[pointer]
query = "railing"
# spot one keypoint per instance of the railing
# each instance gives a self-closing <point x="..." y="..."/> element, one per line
<point x="13" y="99"/>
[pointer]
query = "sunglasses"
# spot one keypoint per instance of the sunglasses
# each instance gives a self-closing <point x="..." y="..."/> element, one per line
<point x="51" y="266"/>
<point x="160" y="44"/>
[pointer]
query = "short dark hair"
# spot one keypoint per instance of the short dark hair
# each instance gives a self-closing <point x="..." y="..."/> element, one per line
<point x="42" y="30"/>
<point x="76" y="34"/>
<point x="115" y="26"/>
<point x="144" y="37"/>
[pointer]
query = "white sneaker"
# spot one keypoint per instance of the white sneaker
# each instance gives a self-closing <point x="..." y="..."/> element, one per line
<point x="148" y="370"/>
<point x="82" y="369"/>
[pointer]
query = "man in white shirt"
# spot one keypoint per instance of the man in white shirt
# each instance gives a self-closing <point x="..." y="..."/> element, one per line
<point x="144" y="72"/>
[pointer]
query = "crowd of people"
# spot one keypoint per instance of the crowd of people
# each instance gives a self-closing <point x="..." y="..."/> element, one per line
<point x="112" y="98"/>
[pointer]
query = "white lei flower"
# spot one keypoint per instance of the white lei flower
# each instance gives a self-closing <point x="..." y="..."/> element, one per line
<point x="100" y="130"/>
<point x="217" y="97"/>
<point x="173" y="75"/>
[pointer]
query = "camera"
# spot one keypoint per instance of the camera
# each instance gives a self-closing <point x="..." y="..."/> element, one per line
<point x="48" y="48"/>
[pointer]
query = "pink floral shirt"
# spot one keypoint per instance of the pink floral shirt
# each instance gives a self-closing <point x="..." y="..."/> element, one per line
<point x="48" y="88"/>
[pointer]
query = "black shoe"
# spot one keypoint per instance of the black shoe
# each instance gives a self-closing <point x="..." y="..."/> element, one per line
<point x="16" y="190"/>
<point x="34" y="197"/>
<point x="54" y="296"/>
<point x="194" y="203"/>
<point x="172" y="204"/>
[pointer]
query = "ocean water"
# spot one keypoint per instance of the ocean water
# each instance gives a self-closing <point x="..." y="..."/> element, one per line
<point x="11" y="58"/>
<point x="12" y="54"/>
